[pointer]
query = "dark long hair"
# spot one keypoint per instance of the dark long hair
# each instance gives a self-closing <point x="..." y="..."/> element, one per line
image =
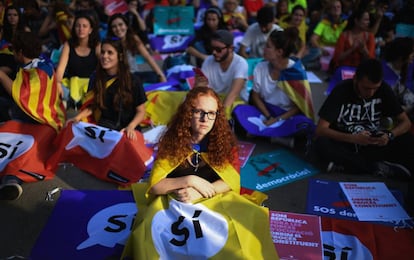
<point x="287" y="40"/>
<point x="131" y="36"/>
<point x="7" y="27"/>
<point x="124" y="80"/>
<point x="175" y="144"/>
<point x="219" y="13"/>
<point x="357" y="14"/>
<point x="93" y="38"/>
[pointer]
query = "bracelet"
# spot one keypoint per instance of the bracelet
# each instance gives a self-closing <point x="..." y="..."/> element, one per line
<point x="268" y="117"/>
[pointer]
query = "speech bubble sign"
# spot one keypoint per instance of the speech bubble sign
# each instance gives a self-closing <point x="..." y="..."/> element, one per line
<point x="340" y="246"/>
<point x="98" y="141"/>
<point x="12" y="146"/>
<point x="190" y="230"/>
<point x="174" y="41"/>
<point x="110" y="226"/>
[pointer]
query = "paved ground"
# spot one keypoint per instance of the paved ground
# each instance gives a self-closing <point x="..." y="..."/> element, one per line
<point x="22" y="220"/>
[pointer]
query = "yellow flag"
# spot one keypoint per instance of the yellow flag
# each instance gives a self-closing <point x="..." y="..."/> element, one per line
<point x="227" y="226"/>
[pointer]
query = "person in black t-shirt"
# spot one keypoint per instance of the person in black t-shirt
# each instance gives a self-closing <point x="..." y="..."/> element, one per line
<point x="351" y="132"/>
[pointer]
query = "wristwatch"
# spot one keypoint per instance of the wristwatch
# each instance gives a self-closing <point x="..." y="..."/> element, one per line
<point x="390" y="135"/>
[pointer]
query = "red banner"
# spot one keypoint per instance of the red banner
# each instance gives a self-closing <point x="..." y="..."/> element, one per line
<point x="107" y="154"/>
<point x="24" y="149"/>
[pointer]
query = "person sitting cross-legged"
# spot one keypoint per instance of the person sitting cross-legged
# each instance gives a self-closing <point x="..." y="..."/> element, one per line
<point x="281" y="100"/>
<point x="350" y="131"/>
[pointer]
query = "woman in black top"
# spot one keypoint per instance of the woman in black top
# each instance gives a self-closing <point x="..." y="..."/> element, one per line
<point x="114" y="94"/>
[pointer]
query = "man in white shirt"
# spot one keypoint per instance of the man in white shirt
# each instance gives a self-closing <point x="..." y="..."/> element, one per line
<point x="225" y="71"/>
<point x="254" y="40"/>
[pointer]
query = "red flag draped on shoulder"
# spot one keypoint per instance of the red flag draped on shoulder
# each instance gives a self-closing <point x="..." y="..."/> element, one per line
<point x="35" y="91"/>
<point x="293" y="81"/>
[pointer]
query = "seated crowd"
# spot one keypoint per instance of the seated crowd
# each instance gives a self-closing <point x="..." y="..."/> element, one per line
<point x="261" y="78"/>
<point x="92" y="105"/>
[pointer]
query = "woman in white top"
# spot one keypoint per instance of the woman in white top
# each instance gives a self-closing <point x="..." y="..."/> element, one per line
<point x="281" y="101"/>
<point x="118" y="27"/>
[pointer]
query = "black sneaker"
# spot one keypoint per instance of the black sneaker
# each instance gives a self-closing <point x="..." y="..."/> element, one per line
<point x="10" y="191"/>
<point x="392" y="170"/>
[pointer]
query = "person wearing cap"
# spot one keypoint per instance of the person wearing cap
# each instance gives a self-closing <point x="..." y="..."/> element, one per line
<point x="225" y="71"/>
<point x="256" y="34"/>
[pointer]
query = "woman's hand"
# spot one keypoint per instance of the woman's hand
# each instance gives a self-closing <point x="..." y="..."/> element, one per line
<point x="187" y="195"/>
<point x="162" y="78"/>
<point x="270" y="121"/>
<point x="205" y="188"/>
<point x="129" y="132"/>
<point x="73" y="119"/>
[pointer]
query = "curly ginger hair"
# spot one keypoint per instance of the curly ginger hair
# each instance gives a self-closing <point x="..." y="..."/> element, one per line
<point x="175" y="145"/>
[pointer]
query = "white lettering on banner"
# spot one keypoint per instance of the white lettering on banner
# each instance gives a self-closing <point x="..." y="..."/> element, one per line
<point x="290" y="220"/>
<point x="188" y="230"/>
<point x="173" y="31"/>
<point x="291" y="176"/>
<point x="98" y="141"/>
<point x="12" y="146"/>
<point x="174" y="41"/>
<point x="110" y="226"/>
<point x="287" y="241"/>
<point x="344" y="247"/>
<point x="324" y="210"/>
<point x="332" y="211"/>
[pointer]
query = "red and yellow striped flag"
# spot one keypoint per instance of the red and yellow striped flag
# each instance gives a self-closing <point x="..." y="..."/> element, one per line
<point x="293" y="81"/>
<point x="35" y="92"/>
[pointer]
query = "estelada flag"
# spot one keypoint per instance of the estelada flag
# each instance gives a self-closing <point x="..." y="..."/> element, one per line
<point x="346" y="239"/>
<point x="24" y="149"/>
<point x="63" y="26"/>
<point x="35" y="91"/>
<point x="78" y="87"/>
<point x="294" y="82"/>
<point x="105" y="153"/>
<point x="227" y="226"/>
<point x="162" y="105"/>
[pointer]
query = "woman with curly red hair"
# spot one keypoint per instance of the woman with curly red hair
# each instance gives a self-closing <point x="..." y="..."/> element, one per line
<point x="194" y="187"/>
<point x="198" y="153"/>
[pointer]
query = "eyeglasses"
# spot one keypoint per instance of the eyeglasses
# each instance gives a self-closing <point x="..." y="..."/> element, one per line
<point x="219" y="49"/>
<point x="198" y="113"/>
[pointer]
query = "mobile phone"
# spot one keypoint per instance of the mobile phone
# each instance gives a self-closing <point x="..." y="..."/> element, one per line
<point x="199" y="72"/>
<point x="376" y="134"/>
